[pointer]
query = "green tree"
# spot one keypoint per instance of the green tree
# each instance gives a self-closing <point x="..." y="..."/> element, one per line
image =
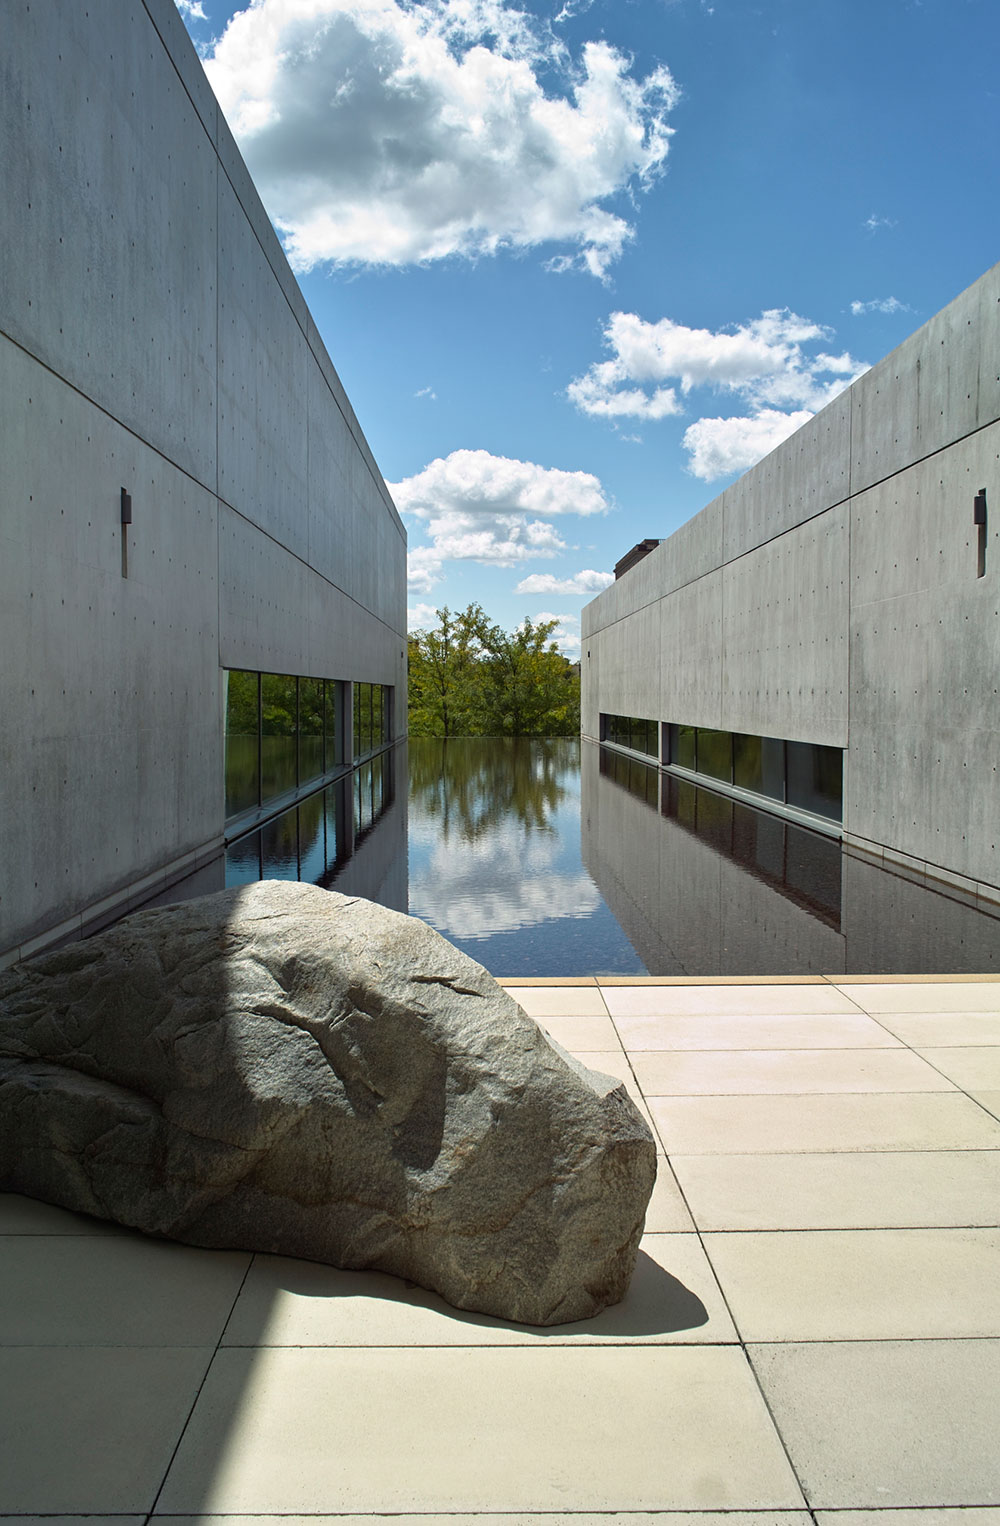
<point x="441" y="674"/>
<point x="469" y="677"/>
<point x="525" y="686"/>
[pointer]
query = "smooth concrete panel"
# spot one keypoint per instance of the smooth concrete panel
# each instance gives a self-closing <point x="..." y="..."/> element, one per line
<point x="631" y="680"/>
<point x="925" y="394"/>
<point x="688" y="554"/>
<point x="107" y="245"/>
<point x="263" y="389"/>
<point x="786" y="633"/>
<point x="988" y="326"/>
<point x="805" y="476"/>
<point x="925" y="658"/>
<point x="264" y="591"/>
<point x="166" y="18"/>
<point x="112" y="757"/>
<point x="690" y="644"/>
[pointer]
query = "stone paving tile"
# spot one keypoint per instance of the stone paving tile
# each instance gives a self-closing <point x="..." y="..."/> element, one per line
<point x="91" y="1430"/>
<point x="887" y="1424"/>
<point x="943" y="1516"/>
<point x="76" y="1290"/>
<point x="973" y="1069"/>
<point x="946" y="1188"/>
<point x="990" y="1100"/>
<point x="922" y="1030"/>
<point x="560" y="1001"/>
<point x="786" y="1125"/>
<point x="78" y="1520"/>
<point x="667" y="1212"/>
<point x="522" y="1518"/>
<point x="849" y="1285"/>
<point x="645" y="1001"/>
<point x="927" y="996"/>
<point x="791" y="1072"/>
<point x="673" y="1299"/>
<point x="748" y="1031"/>
<point x="582" y="1033"/>
<point x="26" y="1216"/>
<point x="583" y="1428"/>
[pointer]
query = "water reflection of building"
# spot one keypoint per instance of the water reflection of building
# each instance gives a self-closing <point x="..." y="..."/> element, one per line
<point x="703" y="884"/>
<point x="349" y="836"/>
<point x="202" y="575"/>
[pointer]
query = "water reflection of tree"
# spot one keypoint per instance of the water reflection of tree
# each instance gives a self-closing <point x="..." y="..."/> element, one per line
<point x="470" y="785"/>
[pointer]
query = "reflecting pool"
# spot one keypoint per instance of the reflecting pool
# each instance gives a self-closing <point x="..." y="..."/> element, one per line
<point x="551" y="858"/>
<point x="495" y="862"/>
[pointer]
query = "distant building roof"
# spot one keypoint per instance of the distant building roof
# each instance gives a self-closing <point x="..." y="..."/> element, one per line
<point x="636" y="554"/>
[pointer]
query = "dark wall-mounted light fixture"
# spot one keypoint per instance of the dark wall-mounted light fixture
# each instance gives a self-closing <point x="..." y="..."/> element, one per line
<point x="979" y="519"/>
<point x="126" y="510"/>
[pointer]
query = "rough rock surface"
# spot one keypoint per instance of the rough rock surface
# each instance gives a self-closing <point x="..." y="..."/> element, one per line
<point x="279" y="1068"/>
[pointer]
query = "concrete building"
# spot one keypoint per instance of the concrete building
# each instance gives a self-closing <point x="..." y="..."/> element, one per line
<point x="202" y="575"/>
<point x="824" y="637"/>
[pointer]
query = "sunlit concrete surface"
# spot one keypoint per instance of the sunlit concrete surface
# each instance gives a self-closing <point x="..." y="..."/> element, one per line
<point x="814" y="1323"/>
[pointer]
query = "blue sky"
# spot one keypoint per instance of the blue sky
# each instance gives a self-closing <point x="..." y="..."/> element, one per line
<point x="580" y="263"/>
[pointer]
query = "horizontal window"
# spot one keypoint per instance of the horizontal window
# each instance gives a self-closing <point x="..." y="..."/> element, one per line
<point x="372" y="709"/>
<point x="283" y="732"/>
<point x="801" y="774"/>
<point x="633" y="731"/>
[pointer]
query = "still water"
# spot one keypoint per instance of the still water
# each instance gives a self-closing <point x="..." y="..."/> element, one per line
<point x="553" y="857"/>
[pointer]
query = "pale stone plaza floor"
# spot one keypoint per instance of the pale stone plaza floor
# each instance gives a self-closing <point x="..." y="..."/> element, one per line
<point x="814" y="1323"/>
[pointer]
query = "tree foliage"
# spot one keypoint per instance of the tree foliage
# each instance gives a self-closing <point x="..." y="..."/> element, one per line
<point x="469" y="677"/>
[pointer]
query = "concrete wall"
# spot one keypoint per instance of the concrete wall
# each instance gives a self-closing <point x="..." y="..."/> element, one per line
<point x="830" y="596"/>
<point x="152" y="337"/>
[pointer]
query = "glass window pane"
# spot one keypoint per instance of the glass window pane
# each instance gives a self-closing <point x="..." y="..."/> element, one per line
<point x="815" y="778"/>
<point x="772" y="767"/>
<point x="715" y="754"/>
<point x="748" y="771"/>
<point x="310" y="729"/>
<point x="331" y="754"/>
<point x="242" y="742"/>
<point x="277" y="727"/>
<point x="682" y="746"/>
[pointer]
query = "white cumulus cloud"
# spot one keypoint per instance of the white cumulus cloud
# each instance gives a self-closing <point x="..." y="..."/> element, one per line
<point x="879" y="305"/>
<point x="584" y="582"/>
<point x="393" y="131"/>
<point x="771" y="366"/>
<point x="475" y="506"/>
<point x="717" y="447"/>
<point x="420" y="617"/>
<point x="566" y="634"/>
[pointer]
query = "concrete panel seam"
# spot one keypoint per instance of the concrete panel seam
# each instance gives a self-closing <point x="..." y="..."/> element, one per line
<point x="106" y="413"/>
<point x="211" y="131"/>
<point x="259" y="530"/>
<point x="350" y="420"/>
<point x="750" y="550"/>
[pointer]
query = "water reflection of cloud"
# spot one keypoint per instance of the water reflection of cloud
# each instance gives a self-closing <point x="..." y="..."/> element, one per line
<point x="499" y="885"/>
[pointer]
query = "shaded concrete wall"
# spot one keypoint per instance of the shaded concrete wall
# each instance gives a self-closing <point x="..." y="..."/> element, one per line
<point x="830" y="595"/>
<point x="152" y="337"/>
